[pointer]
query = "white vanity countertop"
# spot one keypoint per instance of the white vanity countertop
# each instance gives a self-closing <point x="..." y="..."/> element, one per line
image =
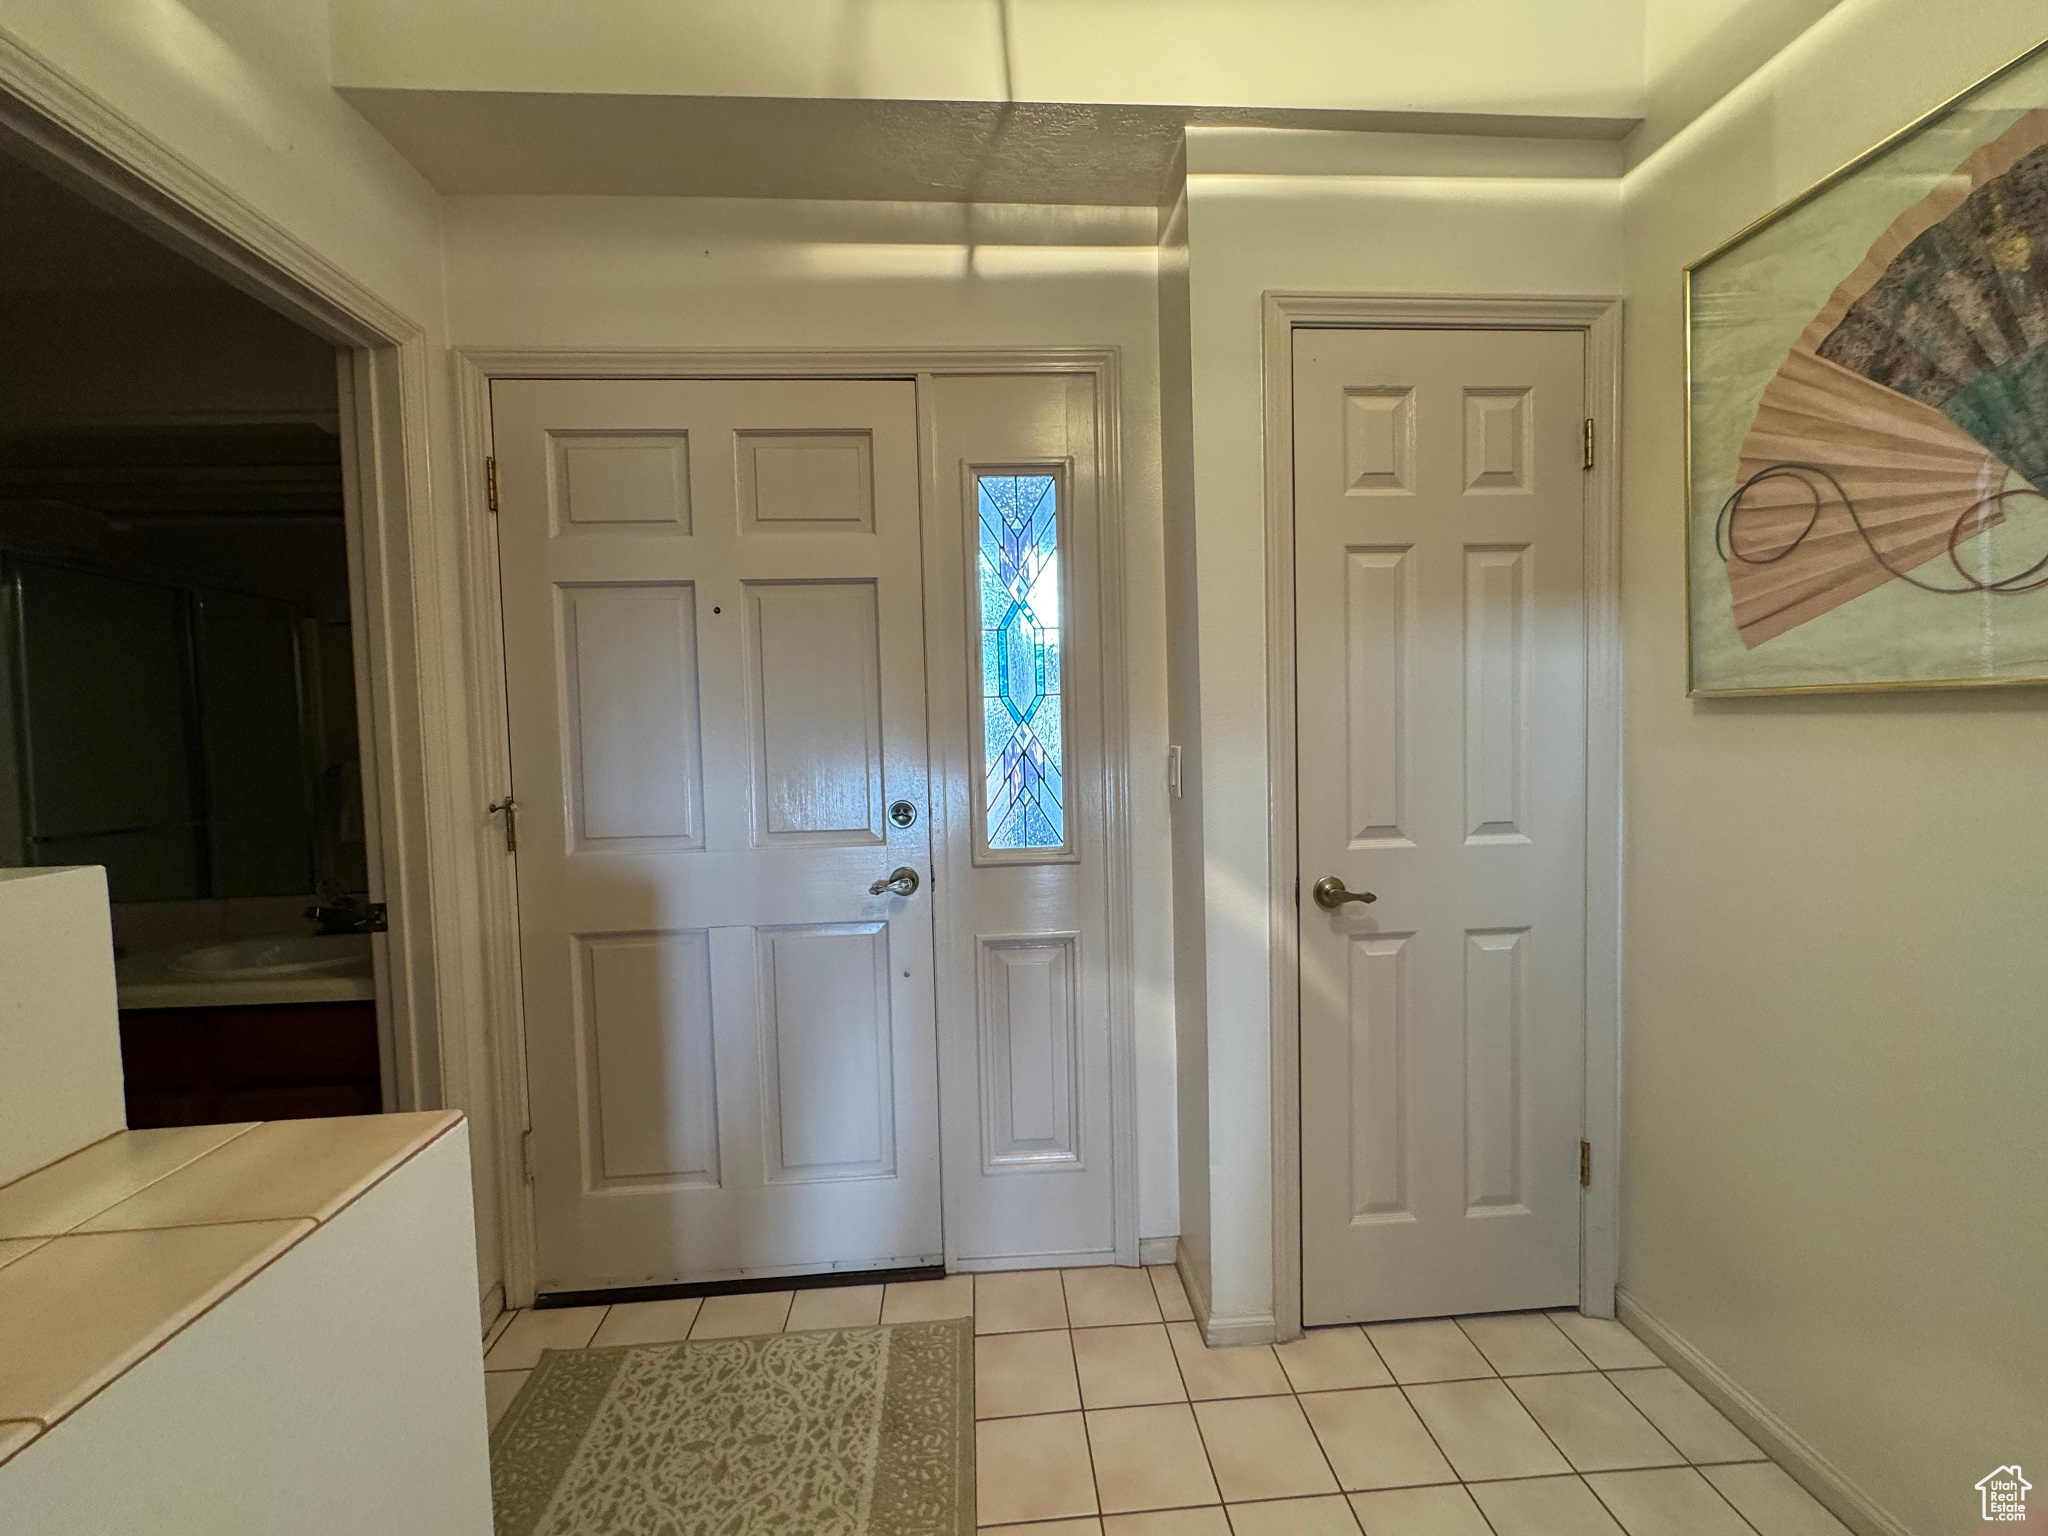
<point x="109" y="1252"/>
<point x="285" y="968"/>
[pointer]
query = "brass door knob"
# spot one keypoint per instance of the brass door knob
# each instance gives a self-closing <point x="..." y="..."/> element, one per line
<point x="901" y="881"/>
<point x="1330" y="894"/>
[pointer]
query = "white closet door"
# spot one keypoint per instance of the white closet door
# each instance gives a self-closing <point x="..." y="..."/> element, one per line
<point x="715" y="673"/>
<point x="1441" y="657"/>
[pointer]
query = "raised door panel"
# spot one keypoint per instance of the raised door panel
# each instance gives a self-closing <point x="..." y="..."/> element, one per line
<point x="1378" y="1008"/>
<point x="632" y="701"/>
<point x="1497" y="667"/>
<point x="827" y="1068"/>
<point x="1379" y="658"/>
<point x="621" y="482"/>
<point x="1030" y="1052"/>
<point x="814" y="673"/>
<point x="650" y="1078"/>
<point x="1499" y="442"/>
<point x="806" y="482"/>
<point x="1496" y="1082"/>
<point x="1379" y="441"/>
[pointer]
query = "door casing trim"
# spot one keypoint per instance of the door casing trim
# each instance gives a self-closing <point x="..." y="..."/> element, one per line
<point x="1599" y="319"/>
<point x="475" y="370"/>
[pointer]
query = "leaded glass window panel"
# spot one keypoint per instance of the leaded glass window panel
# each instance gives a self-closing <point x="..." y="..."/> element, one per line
<point x="1024" y="761"/>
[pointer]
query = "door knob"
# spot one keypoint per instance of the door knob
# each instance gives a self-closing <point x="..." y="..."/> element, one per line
<point x="1330" y="894"/>
<point x="901" y="881"/>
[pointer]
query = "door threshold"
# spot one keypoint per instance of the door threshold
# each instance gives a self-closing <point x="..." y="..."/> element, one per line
<point x="745" y="1286"/>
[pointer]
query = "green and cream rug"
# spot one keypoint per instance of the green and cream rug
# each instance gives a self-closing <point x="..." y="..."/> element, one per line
<point x="841" y="1432"/>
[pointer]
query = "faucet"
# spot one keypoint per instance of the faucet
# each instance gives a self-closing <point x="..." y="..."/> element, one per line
<point x="338" y="912"/>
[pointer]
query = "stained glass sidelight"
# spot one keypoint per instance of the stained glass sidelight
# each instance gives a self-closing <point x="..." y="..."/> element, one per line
<point x="1024" y="753"/>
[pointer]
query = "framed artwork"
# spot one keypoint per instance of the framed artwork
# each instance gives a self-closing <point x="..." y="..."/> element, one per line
<point x="1867" y="422"/>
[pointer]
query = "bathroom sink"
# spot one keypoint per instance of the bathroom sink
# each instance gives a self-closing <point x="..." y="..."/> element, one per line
<point x="283" y="955"/>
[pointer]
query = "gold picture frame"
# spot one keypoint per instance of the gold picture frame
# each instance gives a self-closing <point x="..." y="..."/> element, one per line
<point x="1853" y="520"/>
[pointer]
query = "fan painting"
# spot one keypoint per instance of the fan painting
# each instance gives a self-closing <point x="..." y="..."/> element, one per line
<point x="1870" y="459"/>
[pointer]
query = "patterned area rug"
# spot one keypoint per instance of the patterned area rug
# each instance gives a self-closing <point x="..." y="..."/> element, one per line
<point x="841" y="1432"/>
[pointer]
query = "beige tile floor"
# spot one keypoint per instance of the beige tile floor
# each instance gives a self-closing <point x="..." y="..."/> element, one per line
<point x="1102" y="1413"/>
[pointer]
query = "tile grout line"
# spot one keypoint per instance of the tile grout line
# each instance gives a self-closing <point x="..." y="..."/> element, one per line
<point x="1574" y="1470"/>
<point x="1087" y="1430"/>
<point x="1471" y="1498"/>
<point x="1402" y="1387"/>
<point x="1342" y="1492"/>
<point x="1460" y="1322"/>
<point x="1615" y="1514"/>
<point x="318" y="1221"/>
<point x="151" y="1184"/>
<point x="190" y="1322"/>
<point x="1294" y="1396"/>
<point x="1696" y="1472"/>
<point x="1571" y="1467"/>
<point x="1201" y="1435"/>
<point x="1688" y="1465"/>
<point x="54" y="1162"/>
<point x="1315" y="1434"/>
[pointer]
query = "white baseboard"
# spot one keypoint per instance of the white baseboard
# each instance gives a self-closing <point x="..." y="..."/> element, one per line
<point x="1198" y="1292"/>
<point x="492" y="1303"/>
<point x="1228" y="1329"/>
<point x="1811" y="1470"/>
<point x="1241" y="1328"/>
<point x="1158" y="1250"/>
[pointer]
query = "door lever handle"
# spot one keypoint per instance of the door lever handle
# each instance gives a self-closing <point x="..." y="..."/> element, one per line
<point x="901" y="881"/>
<point x="1330" y="894"/>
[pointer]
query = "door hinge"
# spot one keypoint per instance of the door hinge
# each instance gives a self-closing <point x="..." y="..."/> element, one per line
<point x="1589" y="458"/>
<point x="491" y="477"/>
<point x="526" y="1154"/>
<point x="1585" y="1165"/>
<point x="511" y="809"/>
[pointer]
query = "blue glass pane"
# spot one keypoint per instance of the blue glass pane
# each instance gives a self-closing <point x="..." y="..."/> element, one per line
<point x="1022" y="745"/>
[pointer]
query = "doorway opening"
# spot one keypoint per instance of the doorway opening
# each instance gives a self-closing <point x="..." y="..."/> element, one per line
<point x="213" y="443"/>
<point x="762" y="619"/>
<point x="180" y="672"/>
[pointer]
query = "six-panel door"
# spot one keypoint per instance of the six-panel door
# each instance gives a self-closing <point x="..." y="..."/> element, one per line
<point x="715" y="681"/>
<point x="1440" y="639"/>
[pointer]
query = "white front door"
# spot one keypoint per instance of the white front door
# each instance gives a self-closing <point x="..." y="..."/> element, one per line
<point x="1441" y="656"/>
<point x="715" y="681"/>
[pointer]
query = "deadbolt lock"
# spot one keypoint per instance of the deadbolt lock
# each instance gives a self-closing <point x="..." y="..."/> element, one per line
<point x="902" y="813"/>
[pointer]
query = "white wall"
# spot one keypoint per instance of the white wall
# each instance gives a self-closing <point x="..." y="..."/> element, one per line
<point x="1409" y="233"/>
<point x="59" y="1034"/>
<point x="1833" y="1165"/>
<point x="638" y="272"/>
<point x="1696" y="51"/>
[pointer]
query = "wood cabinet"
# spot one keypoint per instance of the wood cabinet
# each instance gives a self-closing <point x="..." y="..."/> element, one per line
<point x="281" y="1061"/>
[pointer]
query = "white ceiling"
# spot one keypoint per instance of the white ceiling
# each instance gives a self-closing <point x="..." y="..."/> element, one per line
<point x="542" y="143"/>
